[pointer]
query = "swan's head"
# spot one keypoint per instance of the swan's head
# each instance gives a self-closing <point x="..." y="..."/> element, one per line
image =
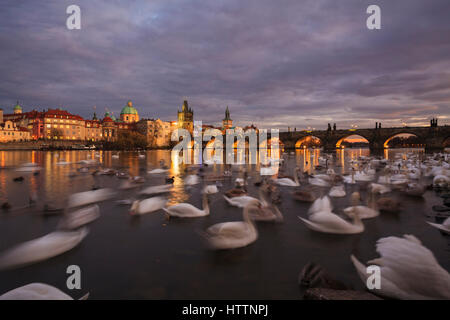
<point x="134" y="207"/>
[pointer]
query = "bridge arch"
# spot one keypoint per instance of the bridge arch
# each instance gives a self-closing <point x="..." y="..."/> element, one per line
<point x="350" y="136"/>
<point x="402" y="134"/>
<point x="308" y="142"/>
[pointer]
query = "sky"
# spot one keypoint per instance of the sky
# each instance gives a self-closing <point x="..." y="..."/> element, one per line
<point x="274" y="63"/>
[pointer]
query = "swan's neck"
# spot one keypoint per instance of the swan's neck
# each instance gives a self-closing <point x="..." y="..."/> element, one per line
<point x="205" y="204"/>
<point x="296" y="177"/>
<point x="247" y="219"/>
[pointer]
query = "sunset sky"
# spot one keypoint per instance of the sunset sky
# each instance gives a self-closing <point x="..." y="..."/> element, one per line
<point x="274" y="63"/>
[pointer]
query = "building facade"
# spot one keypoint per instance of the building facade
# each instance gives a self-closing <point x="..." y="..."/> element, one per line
<point x="186" y="118"/>
<point x="157" y="132"/>
<point x="11" y="131"/>
<point x="129" y="113"/>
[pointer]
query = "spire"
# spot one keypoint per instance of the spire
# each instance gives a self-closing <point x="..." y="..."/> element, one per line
<point x="227" y="114"/>
<point x="185" y="106"/>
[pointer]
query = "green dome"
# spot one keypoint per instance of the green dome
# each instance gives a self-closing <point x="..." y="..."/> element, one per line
<point x="129" y="109"/>
<point x="17" y="107"/>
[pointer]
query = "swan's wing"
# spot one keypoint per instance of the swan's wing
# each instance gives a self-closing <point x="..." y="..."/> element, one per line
<point x="35" y="291"/>
<point x="412" y="267"/>
<point x="181" y="209"/>
<point x="329" y="220"/>
<point x="234" y="229"/>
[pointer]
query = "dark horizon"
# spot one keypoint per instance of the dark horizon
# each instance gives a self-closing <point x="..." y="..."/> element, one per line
<point x="295" y="63"/>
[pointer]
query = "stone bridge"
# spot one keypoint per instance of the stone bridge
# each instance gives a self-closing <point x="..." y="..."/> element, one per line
<point x="433" y="137"/>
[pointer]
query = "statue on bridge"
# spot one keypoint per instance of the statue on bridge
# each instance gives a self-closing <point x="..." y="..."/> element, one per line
<point x="334" y="127"/>
<point x="329" y="127"/>
<point x="434" y="122"/>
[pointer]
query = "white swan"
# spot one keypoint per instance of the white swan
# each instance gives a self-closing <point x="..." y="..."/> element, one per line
<point x="337" y="192"/>
<point x="147" y="205"/>
<point x="364" y="212"/>
<point x="444" y="227"/>
<point x="88" y="197"/>
<point x="322" y="219"/>
<point x="37" y="291"/>
<point x="288" y="182"/>
<point x="191" y="180"/>
<point x="42" y="248"/>
<point x="408" y="270"/>
<point x="156" y="171"/>
<point x="319" y="182"/>
<point x="156" y="189"/>
<point x="78" y="218"/>
<point x="379" y="188"/>
<point x="187" y="210"/>
<point x="235" y="234"/>
<point x="210" y="189"/>
<point x="241" y="201"/>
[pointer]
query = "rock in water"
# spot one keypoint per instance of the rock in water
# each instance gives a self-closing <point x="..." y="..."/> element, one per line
<point x="332" y="294"/>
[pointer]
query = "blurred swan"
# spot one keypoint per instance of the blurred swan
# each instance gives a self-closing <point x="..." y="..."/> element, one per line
<point x="115" y="156"/>
<point x="236" y="192"/>
<point x="187" y="210"/>
<point x="364" y="212"/>
<point x="235" y="234"/>
<point x="269" y="213"/>
<point x="88" y="197"/>
<point x="441" y="181"/>
<point x="415" y="189"/>
<point x="81" y="217"/>
<point x="379" y="188"/>
<point x="147" y="205"/>
<point x="240" y="201"/>
<point x="155" y="171"/>
<point x="322" y="219"/>
<point x="37" y="291"/>
<point x="289" y="182"/>
<point x="42" y="248"/>
<point x="444" y="227"/>
<point x="337" y="192"/>
<point x="210" y="189"/>
<point x="409" y="270"/>
<point x="191" y="180"/>
<point x="156" y="189"/>
<point x="315" y="181"/>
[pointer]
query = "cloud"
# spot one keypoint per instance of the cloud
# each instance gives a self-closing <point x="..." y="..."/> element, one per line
<point x="288" y="63"/>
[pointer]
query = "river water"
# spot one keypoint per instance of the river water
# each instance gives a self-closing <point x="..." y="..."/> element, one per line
<point x="150" y="257"/>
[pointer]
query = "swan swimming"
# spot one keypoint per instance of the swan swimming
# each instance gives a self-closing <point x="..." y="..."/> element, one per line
<point x="364" y="212"/>
<point x="148" y="205"/>
<point x="322" y="219"/>
<point x="156" y="171"/>
<point x="337" y="192"/>
<point x="287" y="182"/>
<point x="87" y="197"/>
<point x="210" y="189"/>
<point x="444" y="227"/>
<point x="234" y="234"/>
<point x="42" y="248"/>
<point x="78" y="218"/>
<point x="409" y="270"/>
<point x="37" y="291"/>
<point x="187" y="210"/>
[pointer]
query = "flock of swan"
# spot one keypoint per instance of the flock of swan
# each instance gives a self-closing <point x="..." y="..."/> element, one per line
<point x="409" y="270"/>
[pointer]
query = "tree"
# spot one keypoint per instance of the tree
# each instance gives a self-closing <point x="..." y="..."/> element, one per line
<point x="128" y="140"/>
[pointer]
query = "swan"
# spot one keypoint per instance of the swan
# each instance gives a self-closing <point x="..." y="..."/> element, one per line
<point x="156" y="189"/>
<point x="322" y="219"/>
<point x="408" y="270"/>
<point x="236" y="192"/>
<point x="115" y="156"/>
<point x="191" y="180"/>
<point x="379" y="188"/>
<point x="42" y="248"/>
<point x="337" y="192"/>
<point x="147" y="205"/>
<point x="242" y="201"/>
<point x="304" y="195"/>
<point x="210" y="189"/>
<point x="80" y="217"/>
<point x="269" y="213"/>
<point x="364" y="212"/>
<point x="315" y="181"/>
<point x="156" y="171"/>
<point x="444" y="227"/>
<point x="234" y="234"/>
<point x="37" y="291"/>
<point x="415" y="189"/>
<point x="187" y="210"/>
<point x="441" y="181"/>
<point x="87" y="197"/>
<point x="287" y="182"/>
<point x="362" y="176"/>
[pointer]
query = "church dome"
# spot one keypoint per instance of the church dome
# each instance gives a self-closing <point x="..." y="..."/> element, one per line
<point x="17" y="107"/>
<point x="129" y="109"/>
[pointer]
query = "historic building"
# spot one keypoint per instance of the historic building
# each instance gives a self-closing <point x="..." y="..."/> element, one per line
<point x="17" y="108"/>
<point x="227" y="123"/>
<point x="186" y="118"/>
<point x="93" y="130"/>
<point x="157" y="132"/>
<point x="129" y="114"/>
<point x="11" y="131"/>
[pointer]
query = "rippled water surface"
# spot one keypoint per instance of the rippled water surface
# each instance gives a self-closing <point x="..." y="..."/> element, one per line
<point x="150" y="257"/>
